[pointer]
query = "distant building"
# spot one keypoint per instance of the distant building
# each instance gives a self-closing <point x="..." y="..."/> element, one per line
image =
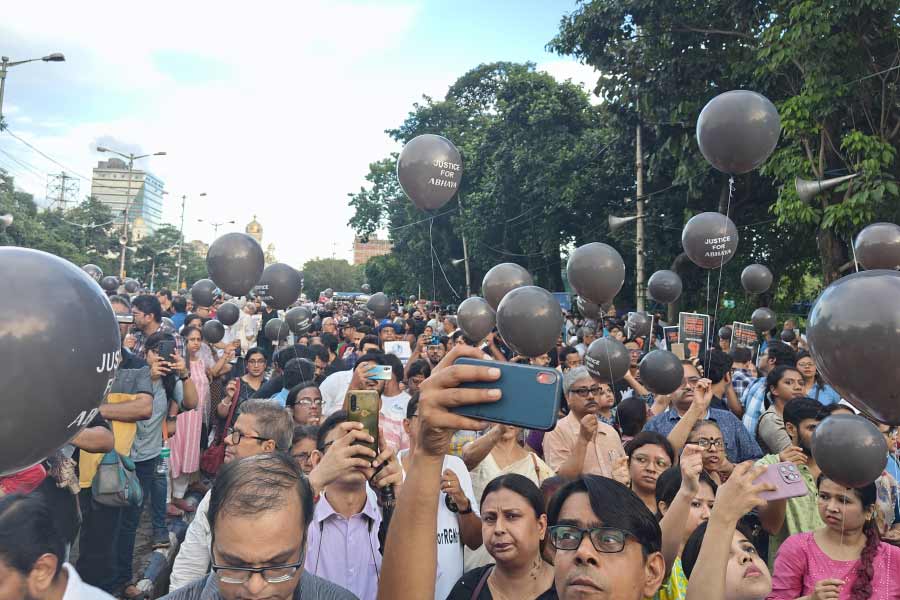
<point x="255" y="230"/>
<point x="363" y="251"/>
<point x="270" y="255"/>
<point x="199" y="247"/>
<point x="111" y="186"/>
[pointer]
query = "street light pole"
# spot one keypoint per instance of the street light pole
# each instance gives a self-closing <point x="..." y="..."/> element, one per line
<point x="639" y="259"/>
<point x="181" y="242"/>
<point x="6" y="64"/>
<point x="124" y="241"/>
<point x="216" y="225"/>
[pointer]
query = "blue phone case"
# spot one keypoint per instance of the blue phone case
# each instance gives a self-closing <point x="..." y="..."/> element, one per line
<point x="531" y="395"/>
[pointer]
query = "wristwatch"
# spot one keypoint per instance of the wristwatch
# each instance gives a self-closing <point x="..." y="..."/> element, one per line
<point x="453" y="507"/>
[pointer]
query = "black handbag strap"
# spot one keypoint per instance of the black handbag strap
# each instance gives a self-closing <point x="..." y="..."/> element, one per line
<point x="482" y="582"/>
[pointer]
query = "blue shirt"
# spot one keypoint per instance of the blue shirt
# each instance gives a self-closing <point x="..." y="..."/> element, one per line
<point x="739" y="446"/>
<point x="754" y="401"/>
<point x="281" y="397"/>
<point x="178" y="319"/>
<point x="825" y="394"/>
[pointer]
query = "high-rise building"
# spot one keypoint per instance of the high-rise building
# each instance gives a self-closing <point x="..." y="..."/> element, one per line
<point x="111" y="186"/>
<point x="363" y="251"/>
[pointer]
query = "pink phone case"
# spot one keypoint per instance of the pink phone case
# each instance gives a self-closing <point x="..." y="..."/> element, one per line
<point x="787" y="479"/>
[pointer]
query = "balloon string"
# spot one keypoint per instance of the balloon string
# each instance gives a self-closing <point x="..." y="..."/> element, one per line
<point x="431" y="243"/>
<point x="714" y="323"/>
<point x="853" y="249"/>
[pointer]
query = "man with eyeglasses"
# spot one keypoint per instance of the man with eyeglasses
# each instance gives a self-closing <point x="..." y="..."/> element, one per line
<point x="261" y="427"/>
<point x="739" y="445"/>
<point x="607" y="542"/>
<point x="580" y="442"/>
<point x="260" y="510"/>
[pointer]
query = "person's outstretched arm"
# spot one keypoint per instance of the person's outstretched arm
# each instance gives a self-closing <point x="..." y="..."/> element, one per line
<point x="737" y="496"/>
<point x="410" y="538"/>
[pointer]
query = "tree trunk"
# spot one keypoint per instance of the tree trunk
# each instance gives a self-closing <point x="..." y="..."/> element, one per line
<point x="831" y="254"/>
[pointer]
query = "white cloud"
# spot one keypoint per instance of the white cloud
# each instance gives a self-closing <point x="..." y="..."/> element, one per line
<point x="580" y="74"/>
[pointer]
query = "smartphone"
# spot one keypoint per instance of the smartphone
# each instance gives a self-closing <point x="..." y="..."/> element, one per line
<point x="531" y="395"/>
<point x="362" y="407"/>
<point x="166" y="350"/>
<point x="125" y="319"/>
<point x="380" y="373"/>
<point x="435" y="340"/>
<point x="787" y="480"/>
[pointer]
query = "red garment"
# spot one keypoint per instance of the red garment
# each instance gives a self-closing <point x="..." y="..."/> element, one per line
<point x="23" y="482"/>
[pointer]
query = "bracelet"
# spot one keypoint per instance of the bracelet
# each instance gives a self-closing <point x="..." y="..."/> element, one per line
<point x="467" y="511"/>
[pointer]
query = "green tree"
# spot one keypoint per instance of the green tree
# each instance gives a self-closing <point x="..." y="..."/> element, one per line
<point x="389" y="274"/>
<point x="155" y="260"/>
<point x="322" y="273"/>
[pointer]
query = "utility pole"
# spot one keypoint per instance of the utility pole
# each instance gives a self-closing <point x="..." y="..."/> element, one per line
<point x="180" y="245"/>
<point x="639" y="242"/>
<point x="466" y="260"/>
<point x="62" y="189"/>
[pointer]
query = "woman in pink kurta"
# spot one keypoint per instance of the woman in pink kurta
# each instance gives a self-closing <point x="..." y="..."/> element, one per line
<point x="185" y="444"/>
<point x="844" y="557"/>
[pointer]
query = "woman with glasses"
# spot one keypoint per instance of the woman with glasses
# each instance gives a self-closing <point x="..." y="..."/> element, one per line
<point x="304" y="401"/>
<point x="513" y="527"/>
<point x="707" y="435"/>
<point x="813" y="386"/>
<point x="242" y="389"/>
<point x="649" y="455"/>
<point x="192" y="426"/>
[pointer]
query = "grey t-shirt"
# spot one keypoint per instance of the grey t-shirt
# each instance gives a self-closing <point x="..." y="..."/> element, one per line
<point x="148" y="439"/>
<point x="310" y="586"/>
<point x="770" y="431"/>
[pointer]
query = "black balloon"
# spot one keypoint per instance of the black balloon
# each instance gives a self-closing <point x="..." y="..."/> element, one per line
<point x="788" y="336"/>
<point x="738" y="130"/>
<point x="203" y="292"/>
<point x="853" y="331"/>
<point x="850" y="450"/>
<point x="412" y="298"/>
<point x="169" y="323"/>
<point x="607" y="360"/>
<point x="710" y="239"/>
<point x="878" y="246"/>
<point x="298" y="319"/>
<point x="95" y="272"/>
<point x="476" y="318"/>
<point x="59" y="347"/>
<point x="501" y="279"/>
<point x="228" y="313"/>
<point x="763" y="319"/>
<point x="596" y="272"/>
<point x="661" y="372"/>
<point x="530" y="320"/>
<point x="638" y="324"/>
<point x="110" y="283"/>
<point x="430" y="170"/>
<point x="360" y="315"/>
<point x="131" y="285"/>
<point x="589" y="309"/>
<point x="756" y="279"/>
<point x="725" y="332"/>
<point x="276" y="330"/>
<point x="379" y="304"/>
<point x="213" y="331"/>
<point x="279" y="286"/>
<point x="235" y="262"/>
<point x="664" y="286"/>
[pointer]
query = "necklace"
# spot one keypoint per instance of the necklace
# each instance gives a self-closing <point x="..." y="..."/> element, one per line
<point x="497" y="594"/>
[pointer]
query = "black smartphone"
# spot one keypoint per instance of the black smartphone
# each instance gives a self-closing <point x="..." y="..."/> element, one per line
<point x="531" y="395"/>
<point x="166" y="350"/>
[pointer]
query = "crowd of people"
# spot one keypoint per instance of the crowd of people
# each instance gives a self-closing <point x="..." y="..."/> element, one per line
<point x="632" y="495"/>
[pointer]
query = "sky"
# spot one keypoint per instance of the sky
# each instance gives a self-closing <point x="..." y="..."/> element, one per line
<point x="274" y="112"/>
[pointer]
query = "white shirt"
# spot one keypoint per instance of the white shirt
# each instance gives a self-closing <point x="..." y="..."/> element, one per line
<point x="449" y="540"/>
<point x="333" y="390"/>
<point x="76" y="589"/>
<point x="193" y="560"/>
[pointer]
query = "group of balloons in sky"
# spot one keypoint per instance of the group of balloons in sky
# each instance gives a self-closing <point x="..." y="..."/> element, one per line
<point x="60" y="341"/>
<point x="737" y="131"/>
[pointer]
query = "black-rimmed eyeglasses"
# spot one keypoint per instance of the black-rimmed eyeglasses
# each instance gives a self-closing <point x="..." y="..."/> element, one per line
<point x="608" y="540"/>
<point x="239" y="575"/>
<point x="236" y="435"/>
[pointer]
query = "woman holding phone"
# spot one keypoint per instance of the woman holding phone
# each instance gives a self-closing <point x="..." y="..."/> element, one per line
<point x="191" y="425"/>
